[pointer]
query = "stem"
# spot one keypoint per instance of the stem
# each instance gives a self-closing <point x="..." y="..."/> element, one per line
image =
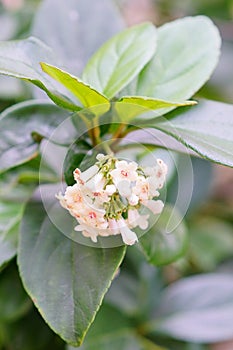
<point x="107" y="148"/>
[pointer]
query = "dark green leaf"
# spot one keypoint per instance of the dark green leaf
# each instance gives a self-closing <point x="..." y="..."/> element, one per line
<point x="205" y="129"/>
<point x="72" y="31"/>
<point x="77" y="157"/>
<point x="197" y="309"/>
<point x="10" y="216"/>
<point x="187" y="53"/>
<point x="21" y="59"/>
<point x="167" y="240"/>
<point x="211" y="241"/>
<point x="21" y="129"/>
<point x="31" y="332"/>
<point x="18" y="183"/>
<point x="14" y="302"/>
<point x="118" y="61"/>
<point x="67" y="281"/>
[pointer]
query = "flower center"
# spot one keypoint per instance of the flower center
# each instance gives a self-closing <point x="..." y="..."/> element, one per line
<point x="92" y="215"/>
<point x="124" y="173"/>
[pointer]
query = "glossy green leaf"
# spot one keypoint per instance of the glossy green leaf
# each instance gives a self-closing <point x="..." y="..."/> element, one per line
<point x="31" y="332"/>
<point x="21" y="59"/>
<point x="187" y="52"/>
<point x="197" y="309"/>
<point x="14" y="302"/>
<point x="72" y="32"/>
<point x="211" y="241"/>
<point x="166" y="241"/>
<point x="122" y="340"/>
<point x="22" y="127"/>
<point x="129" y="107"/>
<point x="77" y="157"/>
<point x="117" y="334"/>
<point x="205" y="129"/>
<point x="10" y="216"/>
<point x="119" y="61"/>
<point x="67" y="281"/>
<point x="85" y="94"/>
<point x="18" y="183"/>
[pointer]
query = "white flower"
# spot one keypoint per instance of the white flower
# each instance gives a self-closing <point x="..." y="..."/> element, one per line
<point x="157" y="175"/>
<point x="135" y="219"/>
<point x="155" y="206"/>
<point x="128" y="236"/>
<point x="107" y="198"/>
<point x="124" y="171"/>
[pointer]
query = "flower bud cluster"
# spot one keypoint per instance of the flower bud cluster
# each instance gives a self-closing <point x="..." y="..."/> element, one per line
<point x="108" y="197"/>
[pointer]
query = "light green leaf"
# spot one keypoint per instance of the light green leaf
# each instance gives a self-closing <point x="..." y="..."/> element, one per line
<point x="77" y="27"/>
<point x="119" y="61"/>
<point x="14" y="302"/>
<point x="205" y="129"/>
<point x="197" y="309"/>
<point x="187" y="53"/>
<point x="22" y="127"/>
<point x="129" y="107"/>
<point x="21" y="59"/>
<point x="167" y="240"/>
<point x="67" y="281"/>
<point x="85" y="94"/>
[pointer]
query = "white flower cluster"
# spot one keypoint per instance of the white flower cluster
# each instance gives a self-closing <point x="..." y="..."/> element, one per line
<point x="106" y="198"/>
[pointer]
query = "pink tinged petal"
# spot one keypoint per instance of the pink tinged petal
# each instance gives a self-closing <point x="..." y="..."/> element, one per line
<point x="110" y="189"/>
<point x="128" y="236"/>
<point x="113" y="226"/>
<point x="133" y="216"/>
<point x="87" y="232"/>
<point x="89" y="173"/>
<point x="143" y="222"/>
<point x="155" y="206"/>
<point x="133" y="199"/>
<point x="61" y="199"/>
<point x="135" y="219"/>
<point x="90" y="235"/>
<point x="124" y="188"/>
<point x="77" y="173"/>
<point x="100" y="156"/>
<point x="121" y="164"/>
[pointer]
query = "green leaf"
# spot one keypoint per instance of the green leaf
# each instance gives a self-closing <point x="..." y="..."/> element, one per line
<point x="197" y="309"/>
<point x="10" y="216"/>
<point x="18" y="183"/>
<point x="205" y="129"/>
<point x="117" y="334"/>
<point x="77" y="26"/>
<point x="85" y="94"/>
<point x="124" y="340"/>
<point x="12" y="305"/>
<point x="119" y="61"/>
<point x="21" y="59"/>
<point x="211" y="241"/>
<point x="129" y="107"/>
<point x="22" y="127"/>
<point x="31" y="332"/>
<point x="67" y="281"/>
<point x="77" y="157"/>
<point x="187" y="53"/>
<point x="167" y="240"/>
